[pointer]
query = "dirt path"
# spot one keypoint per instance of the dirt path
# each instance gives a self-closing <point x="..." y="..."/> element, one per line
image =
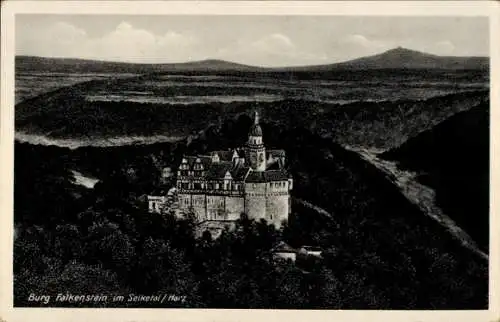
<point x="82" y="180"/>
<point x="309" y="205"/>
<point x="420" y="195"/>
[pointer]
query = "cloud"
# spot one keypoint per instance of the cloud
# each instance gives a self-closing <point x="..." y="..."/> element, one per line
<point x="65" y="31"/>
<point x="124" y="43"/>
<point x="269" y="50"/>
<point x="60" y="39"/>
<point x="362" y="41"/>
<point x="357" y="43"/>
<point x="273" y="43"/>
<point x="444" y="47"/>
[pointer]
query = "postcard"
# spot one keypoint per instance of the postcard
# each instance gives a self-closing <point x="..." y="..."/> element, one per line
<point x="249" y="160"/>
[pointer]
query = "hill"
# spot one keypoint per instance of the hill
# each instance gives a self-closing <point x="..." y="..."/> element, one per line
<point x="63" y="65"/>
<point x="453" y="159"/>
<point x="402" y="58"/>
<point x="397" y="58"/>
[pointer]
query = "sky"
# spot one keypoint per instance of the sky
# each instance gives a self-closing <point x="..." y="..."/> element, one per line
<point x="253" y="40"/>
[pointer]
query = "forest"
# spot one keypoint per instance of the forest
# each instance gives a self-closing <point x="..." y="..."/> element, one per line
<point x="380" y="111"/>
<point x="453" y="158"/>
<point x="379" y="251"/>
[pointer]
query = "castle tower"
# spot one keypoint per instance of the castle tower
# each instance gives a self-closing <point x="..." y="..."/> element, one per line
<point x="255" y="147"/>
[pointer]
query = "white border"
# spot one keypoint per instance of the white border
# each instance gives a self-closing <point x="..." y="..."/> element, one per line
<point x="366" y="8"/>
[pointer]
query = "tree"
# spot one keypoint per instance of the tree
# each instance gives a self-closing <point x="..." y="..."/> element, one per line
<point x="67" y="244"/>
<point x="107" y="244"/>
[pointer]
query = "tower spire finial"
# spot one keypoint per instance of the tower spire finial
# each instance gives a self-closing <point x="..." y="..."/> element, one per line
<point x="256" y="120"/>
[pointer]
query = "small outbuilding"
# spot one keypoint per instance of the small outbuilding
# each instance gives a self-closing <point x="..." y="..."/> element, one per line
<point x="156" y="203"/>
<point x="310" y="251"/>
<point x="284" y="251"/>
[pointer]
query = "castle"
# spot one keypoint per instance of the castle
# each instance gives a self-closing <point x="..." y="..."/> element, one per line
<point x="222" y="185"/>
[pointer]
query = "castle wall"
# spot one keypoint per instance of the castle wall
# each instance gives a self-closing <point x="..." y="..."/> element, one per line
<point x="215" y="207"/>
<point x="255" y="200"/>
<point x="277" y="208"/>
<point x="277" y="202"/>
<point x="234" y="207"/>
<point x="199" y="206"/>
<point x="184" y="201"/>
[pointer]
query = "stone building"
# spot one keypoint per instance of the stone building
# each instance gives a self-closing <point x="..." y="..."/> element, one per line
<point x="222" y="185"/>
<point x="156" y="203"/>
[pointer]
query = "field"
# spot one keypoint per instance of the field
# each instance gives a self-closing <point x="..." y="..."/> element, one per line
<point x="31" y="84"/>
<point x="158" y="107"/>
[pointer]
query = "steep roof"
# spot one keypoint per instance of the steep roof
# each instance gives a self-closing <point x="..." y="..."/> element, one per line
<point x="276" y="153"/>
<point x="204" y="159"/>
<point x="240" y="172"/>
<point x="267" y="176"/>
<point x="224" y="155"/>
<point x="283" y="247"/>
<point x="218" y="170"/>
<point x="256" y="130"/>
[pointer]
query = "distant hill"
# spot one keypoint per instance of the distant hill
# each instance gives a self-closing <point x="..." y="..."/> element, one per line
<point x="402" y="58"/>
<point x="63" y="65"/>
<point x="398" y="58"/>
<point x="453" y="159"/>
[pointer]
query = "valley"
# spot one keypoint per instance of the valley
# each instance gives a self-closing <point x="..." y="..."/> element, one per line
<point x="390" y="170"/>
<point x="422" y="196"/>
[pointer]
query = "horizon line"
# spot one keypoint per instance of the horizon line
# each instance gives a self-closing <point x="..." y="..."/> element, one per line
<point x="244" y="64"/>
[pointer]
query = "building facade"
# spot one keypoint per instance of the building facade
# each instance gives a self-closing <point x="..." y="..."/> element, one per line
<point x="222" y="185"/>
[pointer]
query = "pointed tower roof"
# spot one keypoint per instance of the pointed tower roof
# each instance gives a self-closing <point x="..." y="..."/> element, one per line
<point x="256" y="130"/>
